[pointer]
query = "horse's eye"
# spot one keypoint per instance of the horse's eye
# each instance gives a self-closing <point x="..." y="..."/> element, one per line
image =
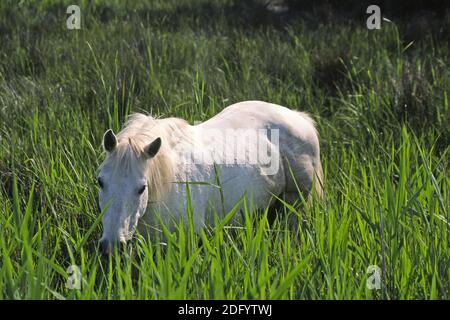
<point x="141" y="189"/>
<point x="100" y="182"/>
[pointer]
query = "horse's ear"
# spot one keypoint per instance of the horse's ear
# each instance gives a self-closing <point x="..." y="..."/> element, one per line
<point x="152" y="149"/>
<point x="109" y="141"/>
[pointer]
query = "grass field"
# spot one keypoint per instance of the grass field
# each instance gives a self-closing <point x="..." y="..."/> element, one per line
<point x="380" y="99"/>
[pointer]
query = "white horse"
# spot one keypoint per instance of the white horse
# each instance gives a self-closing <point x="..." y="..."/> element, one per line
<point x="250" y="150"/>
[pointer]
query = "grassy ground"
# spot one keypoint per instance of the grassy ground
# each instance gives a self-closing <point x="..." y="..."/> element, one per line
<point x="380" y="98"/>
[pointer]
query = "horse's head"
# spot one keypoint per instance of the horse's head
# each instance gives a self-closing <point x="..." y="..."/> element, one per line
<point x="123" y="188"/>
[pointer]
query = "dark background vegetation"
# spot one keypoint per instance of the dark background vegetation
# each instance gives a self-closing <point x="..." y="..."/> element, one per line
<point x="419" y="23"/>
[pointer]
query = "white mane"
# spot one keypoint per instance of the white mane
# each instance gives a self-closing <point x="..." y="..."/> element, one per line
<point x="138" y="132"/>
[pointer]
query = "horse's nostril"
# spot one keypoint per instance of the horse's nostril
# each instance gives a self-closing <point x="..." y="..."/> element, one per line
<point x="105" y="247"/>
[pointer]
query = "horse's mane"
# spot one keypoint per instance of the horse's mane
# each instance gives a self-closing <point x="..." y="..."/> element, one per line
<point x="138" y="132"/>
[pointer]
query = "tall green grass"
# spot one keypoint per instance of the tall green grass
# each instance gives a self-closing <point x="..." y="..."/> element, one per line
<point x="381" y="104"/>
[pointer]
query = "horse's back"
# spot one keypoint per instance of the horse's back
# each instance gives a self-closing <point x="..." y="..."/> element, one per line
<point x="298" y="139"/>
<point x="260" y="114"/>
<point x="294" y="127"/>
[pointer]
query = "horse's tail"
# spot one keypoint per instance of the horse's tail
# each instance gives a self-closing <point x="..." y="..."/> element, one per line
<point x="318" y="181"/>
